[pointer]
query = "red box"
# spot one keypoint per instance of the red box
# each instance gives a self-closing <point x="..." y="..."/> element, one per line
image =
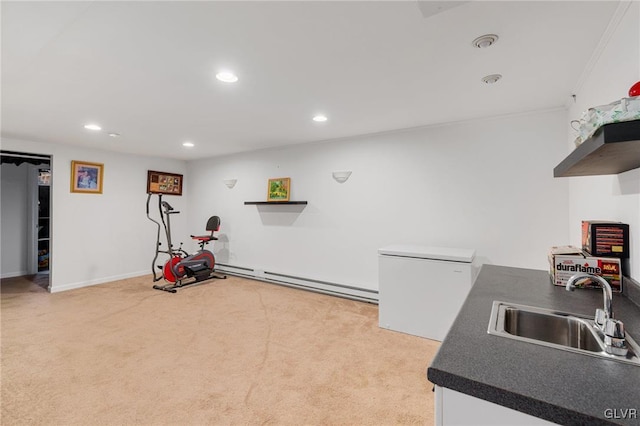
<point x="608" y="239"/>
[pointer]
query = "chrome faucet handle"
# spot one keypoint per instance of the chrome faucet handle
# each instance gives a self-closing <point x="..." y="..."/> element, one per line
<point x="614" y="337"/>
<point x="600" y="318"/>
<point x="614" y="328"/>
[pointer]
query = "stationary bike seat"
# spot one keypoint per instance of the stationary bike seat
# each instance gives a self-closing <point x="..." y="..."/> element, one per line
<point x="204" y="237"/>
<point x="213" y="224"/>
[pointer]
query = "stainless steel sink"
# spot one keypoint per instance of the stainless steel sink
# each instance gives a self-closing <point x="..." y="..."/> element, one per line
<point x="570" y="332"/>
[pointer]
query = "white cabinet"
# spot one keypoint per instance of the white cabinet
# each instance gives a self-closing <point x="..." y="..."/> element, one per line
<point x="456" y="408"/>
<point x="421" y="289"/>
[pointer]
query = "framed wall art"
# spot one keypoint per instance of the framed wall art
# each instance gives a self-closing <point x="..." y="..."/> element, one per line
<point x="279" y="189"/>
<point x="164" y="183"/>
<point x="86" y="177"/>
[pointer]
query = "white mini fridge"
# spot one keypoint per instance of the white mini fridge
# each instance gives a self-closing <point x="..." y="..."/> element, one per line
<point x="421" y="289"/>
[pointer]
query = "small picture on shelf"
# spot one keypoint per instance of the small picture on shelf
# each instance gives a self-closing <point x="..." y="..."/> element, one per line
<point x="279" y="189"/>
<point x="43" y="259"/>
<point x="44" y="177"/>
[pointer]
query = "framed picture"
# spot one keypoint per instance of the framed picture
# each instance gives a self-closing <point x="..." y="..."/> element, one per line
<point x="164" y="183"/>
<point x="279" y="189"/>
<point x="86" y="177"/>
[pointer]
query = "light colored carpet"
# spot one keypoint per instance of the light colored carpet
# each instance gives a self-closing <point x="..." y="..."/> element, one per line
<point x="231" y="351"/>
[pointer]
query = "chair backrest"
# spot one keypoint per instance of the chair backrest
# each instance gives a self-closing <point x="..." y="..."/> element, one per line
<point x="213" y="224"/>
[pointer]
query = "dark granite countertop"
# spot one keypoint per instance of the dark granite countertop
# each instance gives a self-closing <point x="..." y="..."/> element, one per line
<point x="559" y="386"/>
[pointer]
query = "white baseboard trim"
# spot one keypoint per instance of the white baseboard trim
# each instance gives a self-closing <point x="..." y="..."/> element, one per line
<point x="14" y="274"/>
<point x="72" y="286"/>
<point x="309" y="284"/>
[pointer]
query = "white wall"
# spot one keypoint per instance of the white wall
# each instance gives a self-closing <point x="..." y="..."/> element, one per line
<point x="615" y="197"/>
<point x="14" y="220"/>
<point x="100" y="238"/>
<point x="485" y="184"/>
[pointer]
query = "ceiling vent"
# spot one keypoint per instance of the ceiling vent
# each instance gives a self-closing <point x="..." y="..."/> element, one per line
<point x="493" y="78"/>
<point x="485" y="41"/>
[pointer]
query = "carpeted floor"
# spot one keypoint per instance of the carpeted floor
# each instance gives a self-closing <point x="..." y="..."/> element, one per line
<point x="232" y="351"/>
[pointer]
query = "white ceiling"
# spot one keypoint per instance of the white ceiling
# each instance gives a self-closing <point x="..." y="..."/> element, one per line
<point x="146" y="69"/>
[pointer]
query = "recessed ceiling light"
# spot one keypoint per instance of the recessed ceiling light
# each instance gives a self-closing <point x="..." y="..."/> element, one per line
<point x="114" y="135"/>
<point x="490" y="79"/>
<point x="227" y="77"/>
<point x="485" y="41"/>
<point x="188" y="144"/>
<point x="320" y="118"/>
<point x="92" y="127"/>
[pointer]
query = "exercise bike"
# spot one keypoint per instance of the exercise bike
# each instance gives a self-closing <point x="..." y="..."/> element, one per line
<point x="182" y="269"/>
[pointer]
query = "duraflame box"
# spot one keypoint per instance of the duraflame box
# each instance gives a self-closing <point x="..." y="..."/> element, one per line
<point x="566" y="261"/>
<point x="605" y="239"/>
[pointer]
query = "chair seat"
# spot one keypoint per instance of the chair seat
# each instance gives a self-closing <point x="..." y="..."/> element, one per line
<point x="204" y="237"/>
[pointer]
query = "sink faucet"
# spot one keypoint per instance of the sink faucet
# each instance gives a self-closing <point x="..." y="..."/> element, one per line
<point x="613" y="329"/>
<point x="601" y="315"/>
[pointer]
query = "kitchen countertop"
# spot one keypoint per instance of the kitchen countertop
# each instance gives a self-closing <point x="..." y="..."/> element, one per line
<point x="559" y="386"/>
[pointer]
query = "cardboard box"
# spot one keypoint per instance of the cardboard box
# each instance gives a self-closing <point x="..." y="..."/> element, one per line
<point x="607" y="239"/>
<point x="566" y="261"/>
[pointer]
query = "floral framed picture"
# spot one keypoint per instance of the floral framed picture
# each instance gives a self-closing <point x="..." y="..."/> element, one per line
<point x="164" y="183"/>
<point x="86" y="177"/>
<point x="279" y="189"/>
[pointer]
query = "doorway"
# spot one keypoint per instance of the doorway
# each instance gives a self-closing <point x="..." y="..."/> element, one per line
<point x="26" y="216"/>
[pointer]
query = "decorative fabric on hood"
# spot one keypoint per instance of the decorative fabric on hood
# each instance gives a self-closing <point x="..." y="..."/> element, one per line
<point x="17" y="158"/>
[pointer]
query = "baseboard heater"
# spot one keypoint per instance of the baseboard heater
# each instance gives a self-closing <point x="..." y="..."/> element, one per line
<point x="324" y="287"/>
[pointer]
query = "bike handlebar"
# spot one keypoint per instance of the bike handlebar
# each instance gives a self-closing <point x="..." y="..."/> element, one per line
<point x="168" y="209"/>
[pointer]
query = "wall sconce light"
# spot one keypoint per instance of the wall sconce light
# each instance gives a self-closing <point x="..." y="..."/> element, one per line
<point x="341" y="176"/>
<point x="230" y="183"/>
